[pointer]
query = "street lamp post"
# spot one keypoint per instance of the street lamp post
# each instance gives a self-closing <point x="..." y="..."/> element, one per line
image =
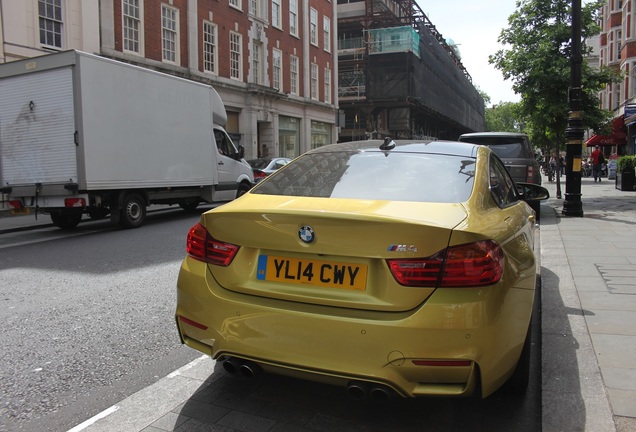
<point x="572" y="205"/>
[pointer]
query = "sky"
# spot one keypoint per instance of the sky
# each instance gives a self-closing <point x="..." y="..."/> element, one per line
<point x="475" y="26"/>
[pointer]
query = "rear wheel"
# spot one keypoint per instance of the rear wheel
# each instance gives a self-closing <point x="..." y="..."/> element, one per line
<point x="518" y="382"/>
<point x="133" y="211"/>
<point x="536" y="206"/>
<point x="66" y="221"/>
<point x="242" y="189"/>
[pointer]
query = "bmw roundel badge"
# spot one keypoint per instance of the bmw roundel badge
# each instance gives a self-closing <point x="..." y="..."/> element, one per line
<point x="306" y="234"/>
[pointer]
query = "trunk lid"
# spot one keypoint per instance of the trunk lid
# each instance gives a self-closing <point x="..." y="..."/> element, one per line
<point x="345" y="264"/>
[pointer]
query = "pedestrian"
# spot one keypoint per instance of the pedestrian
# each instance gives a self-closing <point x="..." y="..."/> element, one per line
<point x="597" y="163"/>
<point x="553" y="167"/>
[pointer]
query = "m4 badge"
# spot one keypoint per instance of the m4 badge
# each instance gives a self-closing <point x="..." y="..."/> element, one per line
<point x="402" y="248"/>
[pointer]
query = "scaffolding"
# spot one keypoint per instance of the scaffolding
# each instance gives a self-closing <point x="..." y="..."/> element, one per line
<point x="398" y="76"/>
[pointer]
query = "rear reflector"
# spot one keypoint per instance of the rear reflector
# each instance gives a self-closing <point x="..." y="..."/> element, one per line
<point x="469" y="265"/>
<point x="201" y="246"/>
<point x="192" y="323"/>
<point x="74" y="202"/>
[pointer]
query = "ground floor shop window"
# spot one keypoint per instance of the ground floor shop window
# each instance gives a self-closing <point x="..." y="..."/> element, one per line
<point x="289" y="136"/>
<point x="320" y="134"/>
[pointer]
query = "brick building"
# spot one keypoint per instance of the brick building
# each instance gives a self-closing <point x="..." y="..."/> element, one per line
<point x="271" y="61"/>
<point x="617" y="49"/>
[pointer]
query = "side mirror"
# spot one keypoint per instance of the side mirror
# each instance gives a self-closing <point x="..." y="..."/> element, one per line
<point x="241" y="152"/>
<point x="532" y="192"/>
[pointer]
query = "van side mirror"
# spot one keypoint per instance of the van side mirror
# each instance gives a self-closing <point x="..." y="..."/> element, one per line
<point x="241" y="152"/>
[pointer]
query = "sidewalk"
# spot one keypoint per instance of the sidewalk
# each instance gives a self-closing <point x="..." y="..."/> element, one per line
<point x="589" y="310"/>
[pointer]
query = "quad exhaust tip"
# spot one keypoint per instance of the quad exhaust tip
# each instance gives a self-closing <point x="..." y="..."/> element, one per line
<point x="241" y="368"/>
<point x="359" y="390"/>
<point x="375" y="392"/>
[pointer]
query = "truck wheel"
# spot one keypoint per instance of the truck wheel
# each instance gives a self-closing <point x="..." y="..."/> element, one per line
<point x="66" y="221"/>
<point x="133" y="211"/>
<point x="242" y="189"/>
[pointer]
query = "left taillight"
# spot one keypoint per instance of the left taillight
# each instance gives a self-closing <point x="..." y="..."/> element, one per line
<point x="201" y="246"/>
<point x="470" y="265"/>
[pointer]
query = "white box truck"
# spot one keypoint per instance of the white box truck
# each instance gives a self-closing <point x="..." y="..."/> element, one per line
<point x="83" y="134"/>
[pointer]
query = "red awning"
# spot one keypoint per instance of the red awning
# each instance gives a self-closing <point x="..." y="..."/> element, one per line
<point x="618" y="136"/>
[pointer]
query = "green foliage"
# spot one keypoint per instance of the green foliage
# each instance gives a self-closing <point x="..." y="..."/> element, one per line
<point x="537" y="60"/>
<point x="626" y="164"/>
<point x="504" y="118"/>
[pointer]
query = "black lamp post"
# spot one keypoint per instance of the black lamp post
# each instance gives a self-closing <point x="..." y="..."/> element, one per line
<point x="572" y="205"/>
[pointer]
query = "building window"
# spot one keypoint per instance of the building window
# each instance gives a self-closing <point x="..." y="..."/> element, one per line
<point x="236" y="56"/>
<point x="277" y="68"/>
<point x="289" y="136"/>
<point x="276" y="13"/>
<point x="327" y="86"/>
<point x="314" y="81"/>
<point x="326" y="26"/>
<point x="632" y="79"/>
<point x="320" y="134"/>
<point x="256" y="63"/>
<point x="258" y="9"/>
<point x="293" y="17"/>
<point x="313" y="26"/>
<point x="616" y="96"/>
<point x="236" y="4"/>
<point x="50" y="14"/>
<point x="293" y="74"/>
<point x="131" y="25"/>
<point x="209" y="47"/>
<point x="169" y="33"/>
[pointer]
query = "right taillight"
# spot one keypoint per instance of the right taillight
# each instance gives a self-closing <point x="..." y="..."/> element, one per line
<point x="259" y="175"/>
<point x="201" y="246"/>
<point x="469" y="265"/>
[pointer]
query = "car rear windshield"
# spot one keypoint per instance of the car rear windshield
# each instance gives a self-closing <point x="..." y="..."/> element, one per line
<point x="504" y="147"/>
<point x="390" y="176"/>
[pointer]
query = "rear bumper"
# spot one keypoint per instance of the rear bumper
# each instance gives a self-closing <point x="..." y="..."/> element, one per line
<point x="486" y="331"/>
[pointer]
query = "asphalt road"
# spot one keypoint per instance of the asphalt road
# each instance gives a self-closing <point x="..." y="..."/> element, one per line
<point x="88" y="319"/>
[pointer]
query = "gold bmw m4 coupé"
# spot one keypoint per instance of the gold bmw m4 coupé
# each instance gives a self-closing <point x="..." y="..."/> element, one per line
<point x="389" y="268"/>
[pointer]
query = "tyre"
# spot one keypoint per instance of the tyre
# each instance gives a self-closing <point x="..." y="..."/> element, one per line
<point x="133" y="211"/>
<point x="519" y="380"/>
<point x="536" y="206"/>
<point x="66" y="221"/>
<point x="242" y="189"/>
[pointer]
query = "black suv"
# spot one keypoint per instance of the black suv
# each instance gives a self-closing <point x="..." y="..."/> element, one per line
<point x="514" y="150"/>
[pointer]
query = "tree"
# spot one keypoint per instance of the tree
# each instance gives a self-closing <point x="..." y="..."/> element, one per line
<point x="538" y="63"/>
<point x="504" y="117"/>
